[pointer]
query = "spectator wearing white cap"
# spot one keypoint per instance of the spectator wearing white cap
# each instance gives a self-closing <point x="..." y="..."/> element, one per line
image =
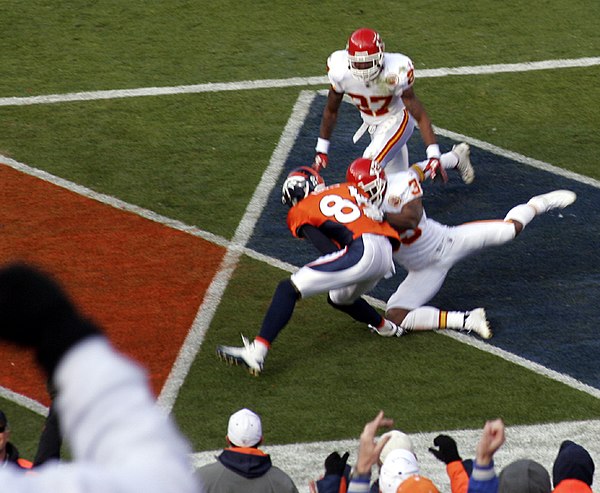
<point x="242" y="466"/>
<point x="337" y="473"/>
<point x="398" y="466"/>
<point x="396" y="440"/>
<point x="399" y="473"/>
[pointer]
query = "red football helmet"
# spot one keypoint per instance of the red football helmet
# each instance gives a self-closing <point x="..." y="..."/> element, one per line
<point x="299" y="183"/>
<point x="365" y="54"/>
<point x="369" y="177"/>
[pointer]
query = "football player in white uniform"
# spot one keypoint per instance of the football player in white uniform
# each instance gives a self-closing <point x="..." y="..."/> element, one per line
<point x="381" y="86"/>
<point x="429" y="249"/>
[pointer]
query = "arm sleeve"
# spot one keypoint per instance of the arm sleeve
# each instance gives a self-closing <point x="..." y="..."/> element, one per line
<point x="483" y="479"/>
<point x="459" y="479"/>
<point x="318" y="239"/>
<point x="359" y="484"/>
<point x="121" y="442"/>
<point x="329" y="484"/>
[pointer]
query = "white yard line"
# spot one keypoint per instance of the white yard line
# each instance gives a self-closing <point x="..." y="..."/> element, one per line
<point x="23" y="401"/>
<point x="235" y="250"/>
<point x="291" y="82"/>
<point x="515" y="156"/>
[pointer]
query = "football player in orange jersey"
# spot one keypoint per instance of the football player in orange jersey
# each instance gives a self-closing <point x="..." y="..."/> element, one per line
<point x="357" y="252"/>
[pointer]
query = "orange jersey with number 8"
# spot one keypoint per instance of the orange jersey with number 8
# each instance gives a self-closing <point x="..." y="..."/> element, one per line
<point x="339" y="204"/>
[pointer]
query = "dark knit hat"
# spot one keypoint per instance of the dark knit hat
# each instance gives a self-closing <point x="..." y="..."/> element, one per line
<point x="573" y="462"/>
<point x="524" y="476"/>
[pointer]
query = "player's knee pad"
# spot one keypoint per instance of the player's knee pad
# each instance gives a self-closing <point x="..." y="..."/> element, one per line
<point x="331" y="301"/>
<point x="339" y="297"/>
<point x="337" y="306"/>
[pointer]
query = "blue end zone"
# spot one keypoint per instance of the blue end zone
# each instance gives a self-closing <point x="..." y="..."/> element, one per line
<point x="541" y="291"/>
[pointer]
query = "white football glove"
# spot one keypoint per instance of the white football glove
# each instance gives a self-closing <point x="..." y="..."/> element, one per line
<point x="373" y="212"/>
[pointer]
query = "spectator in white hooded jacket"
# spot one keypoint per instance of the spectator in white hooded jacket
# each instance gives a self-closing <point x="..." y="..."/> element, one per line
<point x="120" y="441"/>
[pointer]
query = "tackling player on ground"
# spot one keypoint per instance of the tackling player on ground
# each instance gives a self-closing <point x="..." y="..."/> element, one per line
<point x="429" y="249"/>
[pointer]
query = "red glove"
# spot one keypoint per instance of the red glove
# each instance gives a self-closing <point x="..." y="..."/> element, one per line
<point x="436" y="171"/>
<point x="321" y="161"/>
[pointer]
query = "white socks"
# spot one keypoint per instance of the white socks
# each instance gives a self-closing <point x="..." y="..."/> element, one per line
<point x="449" y="160"/>
<point x="430" y="318"/>
<point x="523" y="213"/>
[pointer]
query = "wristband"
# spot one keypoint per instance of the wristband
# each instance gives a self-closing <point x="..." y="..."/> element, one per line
<point x="433" y="151"/>
<point x="366" y="477"/>
<point x="322" y="146"/>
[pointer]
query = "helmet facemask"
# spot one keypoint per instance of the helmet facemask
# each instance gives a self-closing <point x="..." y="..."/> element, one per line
<point x="365" y="67"/>
<point x="368" y="175"/>
<point x="365" y="54"/>
<point x="375" y="190"/>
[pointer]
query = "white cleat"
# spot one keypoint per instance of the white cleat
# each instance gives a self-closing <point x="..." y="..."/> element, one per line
<point x="389" y="329"/>
<point x="464" y="166"/>
<point x="558" y="199"/>
<point x="247" y="356"/>
<point x="476" y="321"/>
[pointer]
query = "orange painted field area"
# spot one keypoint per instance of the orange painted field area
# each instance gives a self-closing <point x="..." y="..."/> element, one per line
<point x="143" y="282"/>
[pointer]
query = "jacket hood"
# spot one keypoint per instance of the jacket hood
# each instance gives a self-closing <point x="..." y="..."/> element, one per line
<point x="573" y="462"/>
<point x="249" y="465"/>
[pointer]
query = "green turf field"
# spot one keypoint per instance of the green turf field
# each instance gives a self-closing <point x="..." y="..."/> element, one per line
<point x="198" y="158"/>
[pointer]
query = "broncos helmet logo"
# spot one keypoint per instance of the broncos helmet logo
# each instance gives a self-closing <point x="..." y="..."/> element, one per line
<point x="299" y="183"/>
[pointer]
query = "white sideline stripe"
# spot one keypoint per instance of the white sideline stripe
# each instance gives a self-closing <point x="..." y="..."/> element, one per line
<point x="162" y="91"/>
<point x="304" y="461"/>
<point x="515" y="156"/>
<point x="235" y="250"/>
<point x="291" y="82"/>
<point x="23" y="401"/>
<point x="509" y="67"/>
<point x="112" y="201"/>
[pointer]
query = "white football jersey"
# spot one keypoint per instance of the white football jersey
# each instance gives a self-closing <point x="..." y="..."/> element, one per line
<point x="380" y="98"/>
<point x="420" y="246"/>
